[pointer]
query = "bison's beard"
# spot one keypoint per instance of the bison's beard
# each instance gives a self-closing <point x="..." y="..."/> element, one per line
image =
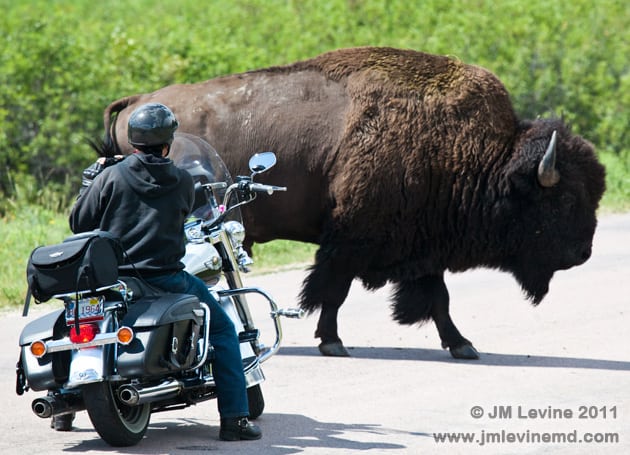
<point x="534" y="283"/>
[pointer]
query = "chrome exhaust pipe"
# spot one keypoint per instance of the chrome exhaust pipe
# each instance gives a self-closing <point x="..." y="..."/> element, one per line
<point x="133" y="395"/>
<point x="48" y="406"/>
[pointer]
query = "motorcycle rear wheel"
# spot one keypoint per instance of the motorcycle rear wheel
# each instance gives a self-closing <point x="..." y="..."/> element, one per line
<point x="117" y="424"/>
<point x="256" y="401"/>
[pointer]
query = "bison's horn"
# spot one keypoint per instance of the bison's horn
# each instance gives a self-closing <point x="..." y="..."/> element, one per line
<point x="548" y="175"/>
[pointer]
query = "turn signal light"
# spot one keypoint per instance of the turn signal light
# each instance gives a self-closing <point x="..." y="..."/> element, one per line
<point x="38" y="348"/>
<point x="87" y="332"/>
<point x="124" y="335"/>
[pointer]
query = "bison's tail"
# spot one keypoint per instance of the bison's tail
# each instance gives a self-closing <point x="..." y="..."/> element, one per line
<point x="102" y="148"/>
<point x="307" y="299"/>
<point x="110" y="141"/>
<point x="328" y="282"/>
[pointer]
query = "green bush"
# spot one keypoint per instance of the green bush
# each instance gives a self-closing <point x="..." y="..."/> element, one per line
<point x="63" y="61"/>
<point x="29" y="226"/>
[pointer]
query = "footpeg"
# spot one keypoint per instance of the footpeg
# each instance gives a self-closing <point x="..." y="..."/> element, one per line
<point x="248" y="335"/>
<point x="293" y="313"/>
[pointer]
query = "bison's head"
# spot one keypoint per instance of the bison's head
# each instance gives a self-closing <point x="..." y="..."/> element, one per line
<point x="552" y="186"/>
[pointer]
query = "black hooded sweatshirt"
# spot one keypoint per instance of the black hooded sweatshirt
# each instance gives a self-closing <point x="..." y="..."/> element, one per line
<point x="144" y="201"/>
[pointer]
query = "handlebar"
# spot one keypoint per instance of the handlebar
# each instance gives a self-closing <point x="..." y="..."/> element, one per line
<point x="269" y="189"/>
<point x="245" y="188"/>
<point x="217" y="185"/>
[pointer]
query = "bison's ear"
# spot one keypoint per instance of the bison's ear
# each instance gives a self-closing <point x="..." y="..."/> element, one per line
<point x="522" y="183"/>
<point x="548" y="175"/>
<point x="527" y="174"/>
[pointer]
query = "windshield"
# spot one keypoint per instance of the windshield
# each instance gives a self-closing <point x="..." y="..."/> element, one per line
<point x="204" y="164"/>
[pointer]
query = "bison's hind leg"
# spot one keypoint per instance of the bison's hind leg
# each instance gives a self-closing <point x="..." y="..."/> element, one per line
<point x="427" y="298"/>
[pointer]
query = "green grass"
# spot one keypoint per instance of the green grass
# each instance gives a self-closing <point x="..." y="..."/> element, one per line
<point x="29" y="226"/>
<point x="23" y="230"/>
<point x="282" y="255"/>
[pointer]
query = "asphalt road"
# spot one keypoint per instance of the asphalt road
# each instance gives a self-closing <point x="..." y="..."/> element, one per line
<point x="558" y="372"/>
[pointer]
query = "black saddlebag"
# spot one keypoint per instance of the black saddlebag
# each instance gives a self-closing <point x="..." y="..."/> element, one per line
<point x="83" y="262"/>
<point x="50" y="371"/>
<point x="166" y="331"/>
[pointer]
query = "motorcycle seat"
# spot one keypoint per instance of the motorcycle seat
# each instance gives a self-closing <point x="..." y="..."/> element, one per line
<point x="140" y="288"/>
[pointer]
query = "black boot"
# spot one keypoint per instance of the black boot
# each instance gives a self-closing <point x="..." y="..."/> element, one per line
<point x="239" y="428"/>
<point x="62" y="422"/>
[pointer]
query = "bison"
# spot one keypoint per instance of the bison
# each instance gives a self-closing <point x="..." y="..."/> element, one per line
<point x="400" y="165"/>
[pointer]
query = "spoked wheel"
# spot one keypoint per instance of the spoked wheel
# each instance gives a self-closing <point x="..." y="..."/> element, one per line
<point x="118" y="424"/>
<point x="256" y="401"/>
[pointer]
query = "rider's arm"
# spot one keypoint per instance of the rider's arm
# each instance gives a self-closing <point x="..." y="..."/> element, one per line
<point x="91" y="172"/>
<point x="86" y="214"/>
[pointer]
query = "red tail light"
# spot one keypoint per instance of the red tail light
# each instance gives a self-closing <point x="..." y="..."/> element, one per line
<point x="87" y="332"/>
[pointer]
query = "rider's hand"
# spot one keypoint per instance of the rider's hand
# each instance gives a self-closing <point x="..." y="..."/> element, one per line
<point x="90" y="173"/>
<point x="111" y="160"/>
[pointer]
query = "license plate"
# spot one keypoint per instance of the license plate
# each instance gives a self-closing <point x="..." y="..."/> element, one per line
<point x="90" y="309"/>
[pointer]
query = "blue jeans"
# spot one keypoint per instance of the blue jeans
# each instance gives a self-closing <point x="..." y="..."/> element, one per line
<point x="227" y="365"/>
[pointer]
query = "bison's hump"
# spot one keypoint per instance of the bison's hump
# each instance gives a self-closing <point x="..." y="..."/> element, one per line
<point x="397" y="69"/>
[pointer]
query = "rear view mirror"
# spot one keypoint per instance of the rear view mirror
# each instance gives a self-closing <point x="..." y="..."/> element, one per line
<point x="262" y="161"/>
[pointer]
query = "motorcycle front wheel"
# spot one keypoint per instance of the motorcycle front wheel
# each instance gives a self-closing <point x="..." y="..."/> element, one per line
<point x="117" y="424"/>
<point x="256" y="401"/>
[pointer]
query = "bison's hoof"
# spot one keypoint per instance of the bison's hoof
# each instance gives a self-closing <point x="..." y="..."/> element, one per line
<point x="464" y="351"/>
<point x="334" y="349"/>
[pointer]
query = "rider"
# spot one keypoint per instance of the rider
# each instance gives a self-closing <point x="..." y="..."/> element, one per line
<point x="144" y="201"/>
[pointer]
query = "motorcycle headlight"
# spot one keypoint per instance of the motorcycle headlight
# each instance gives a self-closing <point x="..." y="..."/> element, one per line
<point x="236" y="231"/>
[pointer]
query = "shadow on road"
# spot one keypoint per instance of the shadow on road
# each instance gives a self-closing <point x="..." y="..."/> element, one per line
<point x="283" y="434"/>
<point x="439" y="355"/>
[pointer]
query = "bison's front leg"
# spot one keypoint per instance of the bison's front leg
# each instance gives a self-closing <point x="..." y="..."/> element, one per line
<point x="427" y="298"/>
<point x="326" y="287"/>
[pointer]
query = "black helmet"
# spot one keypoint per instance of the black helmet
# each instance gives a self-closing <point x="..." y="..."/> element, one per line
<point x="151" y="125"/>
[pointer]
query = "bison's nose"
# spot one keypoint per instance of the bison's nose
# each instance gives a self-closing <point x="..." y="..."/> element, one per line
<point x="585" y="255"/>
<point x="576" y="256"/>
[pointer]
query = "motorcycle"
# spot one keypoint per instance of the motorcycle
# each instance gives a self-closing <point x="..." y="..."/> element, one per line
<point x="122" y="350"/>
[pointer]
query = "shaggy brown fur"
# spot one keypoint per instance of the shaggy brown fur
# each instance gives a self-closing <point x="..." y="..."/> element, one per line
<point x="400" y="165"/>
